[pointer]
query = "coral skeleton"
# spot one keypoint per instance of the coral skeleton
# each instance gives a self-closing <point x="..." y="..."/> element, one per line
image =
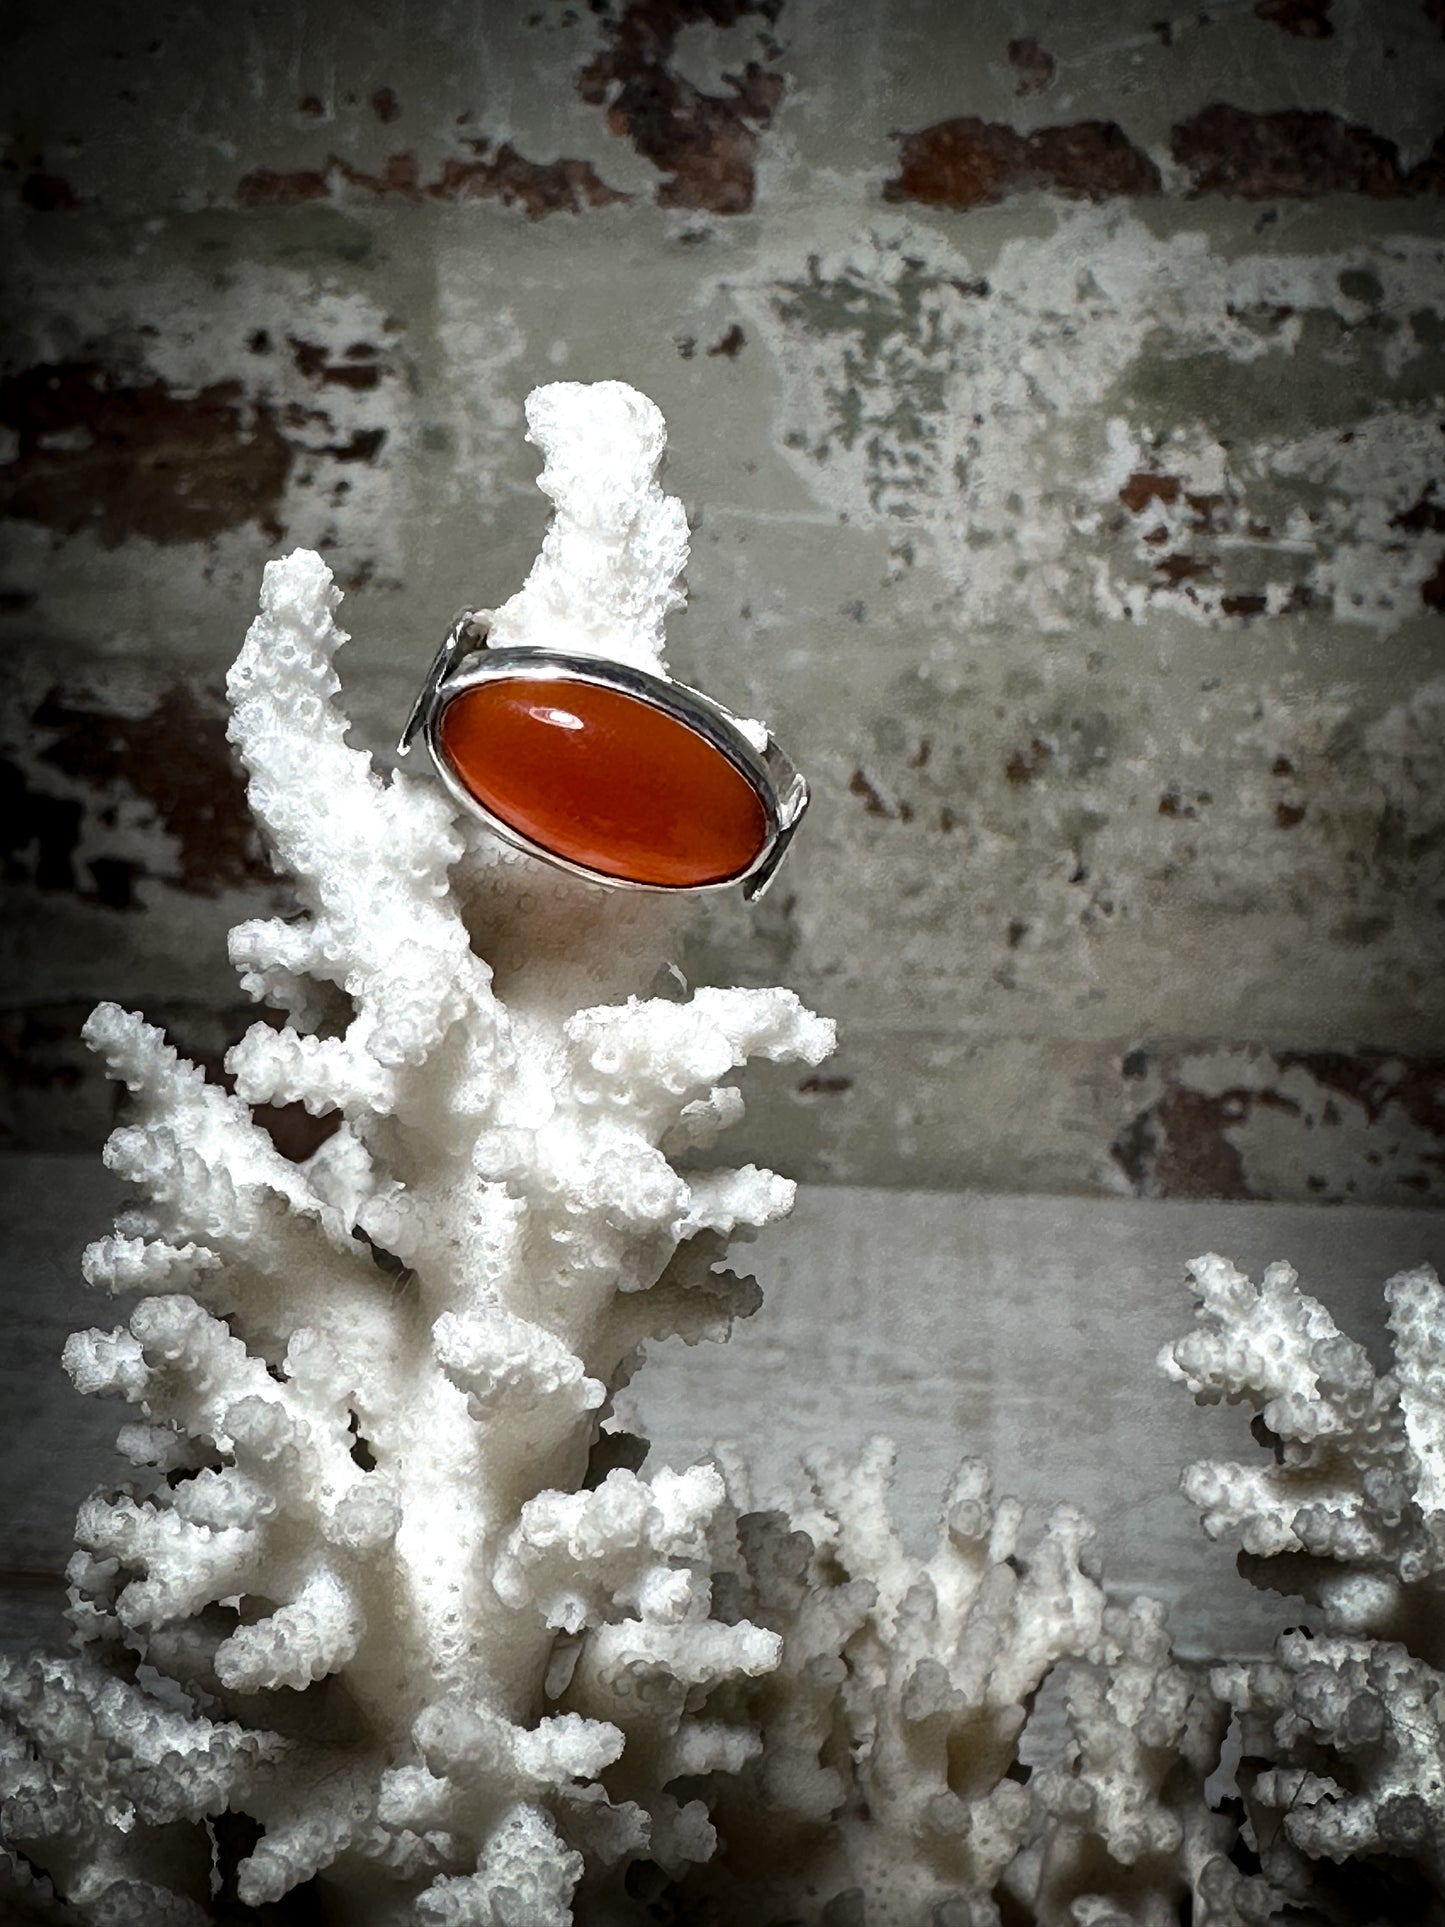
<point x="889" y="1786"/>
<point x="392" y="1624"/>
<point x="372" y="1491"/>
<point x="1343" y="1730"/>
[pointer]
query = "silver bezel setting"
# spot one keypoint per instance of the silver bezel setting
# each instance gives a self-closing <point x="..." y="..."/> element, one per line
<point x="465" y="661"/>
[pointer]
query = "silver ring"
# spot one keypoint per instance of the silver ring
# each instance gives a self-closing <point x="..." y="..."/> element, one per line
<point x="609" y="772"/>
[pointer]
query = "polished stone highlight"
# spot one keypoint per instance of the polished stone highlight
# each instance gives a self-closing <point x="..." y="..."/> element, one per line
<point x="604" y="780"/>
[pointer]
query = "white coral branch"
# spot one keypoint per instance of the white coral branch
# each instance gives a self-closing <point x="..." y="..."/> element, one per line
<point x="370" y="1384"/>
<point x="1355" y="1481"/>
<point x="1351" y="1516"/>
<point x="610" y="562"/>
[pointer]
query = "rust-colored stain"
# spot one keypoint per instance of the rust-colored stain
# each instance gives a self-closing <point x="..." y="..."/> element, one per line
<point x="1209" y="513"/>
<point x="972" y="163"/>
<point x="1289" y="816"/>
<point x="120" y="459"/>
<point x="1034" y="67"/>
<point x="1178" y="1147"/>
<point x="538" y="187"/>
<point x="731" y="345"/>
<point x="1376" y="1079"/>
<point x="500" y="174"/>
<point x="1308" y="19"/>
<point x="1027" y="764"/>
<point x="176" y="760"/>
<point x="1179" y="568"/>
<point x="265" y="187"/>
<point x="1425" y="517"/>
<point x="1146" y="493"/>
<point x="821" y="1084"/>
<point x="1296" y="154"/>
<point x="706" y="144"/>
<point x="1142" y="488"/>
<point x="387" y="108"/>
<point x="858" y="785"/>
<point x="1175" y="803"/>
<point x="874" y="801"/>
<point x="356" y="369"/>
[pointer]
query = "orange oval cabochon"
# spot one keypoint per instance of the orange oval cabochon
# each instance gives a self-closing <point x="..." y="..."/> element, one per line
<point x="604" y="780"/>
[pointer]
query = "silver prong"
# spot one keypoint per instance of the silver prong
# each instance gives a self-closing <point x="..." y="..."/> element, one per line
<point x="756" y="885"/>
<point x="467" y="634"/>
<point x="793" y="802"/>
<point x="790" y="815"/>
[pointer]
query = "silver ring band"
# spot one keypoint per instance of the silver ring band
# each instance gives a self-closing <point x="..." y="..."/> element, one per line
<point x="465" y="663"/>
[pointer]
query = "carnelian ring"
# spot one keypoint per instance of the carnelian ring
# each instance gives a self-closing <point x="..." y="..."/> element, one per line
<point x="626" y="778"/>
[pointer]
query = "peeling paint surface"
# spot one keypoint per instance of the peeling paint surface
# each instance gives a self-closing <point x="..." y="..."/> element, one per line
<point x="704" y="142"/>
<point x="1001" y="406"/>
<point x="168" y="773"/>
<point x="1229" y="1123"/>
<point x="1058" y="398"/>
<point x="119" y="459"/>
<point x="968" y="163"/>
<point x="539" y="187"/>
<point x="1298" y="155"/>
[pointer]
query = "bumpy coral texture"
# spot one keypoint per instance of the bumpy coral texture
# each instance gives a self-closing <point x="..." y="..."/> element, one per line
<point x="1343" y="1731"/>
<point x="373" y="1497"/>
<point x="887" y="1773"/>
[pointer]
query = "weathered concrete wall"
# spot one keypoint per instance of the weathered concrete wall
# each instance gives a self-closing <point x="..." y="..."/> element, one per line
<point x="1055" y="393"/>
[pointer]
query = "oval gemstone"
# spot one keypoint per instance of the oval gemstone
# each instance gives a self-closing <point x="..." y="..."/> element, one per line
<point x="604" y="780"/>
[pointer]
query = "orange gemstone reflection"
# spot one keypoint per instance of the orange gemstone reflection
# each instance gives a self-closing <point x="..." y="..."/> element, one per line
<point x="603" y="780"/>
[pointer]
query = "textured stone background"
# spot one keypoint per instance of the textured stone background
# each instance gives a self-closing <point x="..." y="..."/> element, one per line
<point x="1055" y="395"/>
